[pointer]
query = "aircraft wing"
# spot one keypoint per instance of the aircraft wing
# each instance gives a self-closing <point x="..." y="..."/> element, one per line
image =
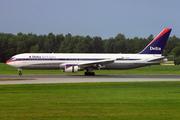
<point x="96" y="63"/>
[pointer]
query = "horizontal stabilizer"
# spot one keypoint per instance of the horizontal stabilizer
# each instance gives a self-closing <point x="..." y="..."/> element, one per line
<point x="161" y="58"/>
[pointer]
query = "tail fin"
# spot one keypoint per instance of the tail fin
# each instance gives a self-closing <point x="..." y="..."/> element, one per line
<point x="158" y="44"/>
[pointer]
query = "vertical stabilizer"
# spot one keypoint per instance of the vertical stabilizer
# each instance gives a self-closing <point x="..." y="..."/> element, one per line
<point x="158" y="44"/>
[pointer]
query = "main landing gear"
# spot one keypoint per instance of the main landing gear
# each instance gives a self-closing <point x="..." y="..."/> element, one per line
<point x="19" y="69"/>
<point x="89" y="73"/>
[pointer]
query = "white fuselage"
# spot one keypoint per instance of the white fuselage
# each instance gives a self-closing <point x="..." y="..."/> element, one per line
<point x="56" y="60"/>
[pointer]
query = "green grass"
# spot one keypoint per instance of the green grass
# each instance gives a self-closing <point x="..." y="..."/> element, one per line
<point x="133" y="100"/>
<point x="154" y="69"/>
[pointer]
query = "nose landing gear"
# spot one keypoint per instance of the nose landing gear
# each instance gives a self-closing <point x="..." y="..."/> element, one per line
<point x="20" y="73"/>
<point x="19" y="69"/>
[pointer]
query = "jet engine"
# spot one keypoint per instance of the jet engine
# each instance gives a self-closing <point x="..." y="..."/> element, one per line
<point x="71" y="68"/>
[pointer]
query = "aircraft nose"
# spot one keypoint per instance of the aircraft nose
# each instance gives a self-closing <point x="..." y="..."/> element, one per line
<point x="11" y="63"/>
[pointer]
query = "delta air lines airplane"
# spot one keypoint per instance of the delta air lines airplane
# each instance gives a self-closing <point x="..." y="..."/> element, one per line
<point x="152" y="54"/>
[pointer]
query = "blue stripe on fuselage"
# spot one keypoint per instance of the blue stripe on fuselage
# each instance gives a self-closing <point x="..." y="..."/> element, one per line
<point x="66" y="59"/>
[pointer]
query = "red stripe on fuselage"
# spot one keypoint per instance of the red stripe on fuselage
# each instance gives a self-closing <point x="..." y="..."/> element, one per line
<point x="12" y="61"/>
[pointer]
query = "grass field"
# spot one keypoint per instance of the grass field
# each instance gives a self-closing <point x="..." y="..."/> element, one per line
<point x="154" y="69"/>
<point x="130" y="101"/>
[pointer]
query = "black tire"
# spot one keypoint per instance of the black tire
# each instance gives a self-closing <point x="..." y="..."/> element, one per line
<point x="20" y="74"/>
<point x="89" y="73"/>
<point x="93" y="74"/>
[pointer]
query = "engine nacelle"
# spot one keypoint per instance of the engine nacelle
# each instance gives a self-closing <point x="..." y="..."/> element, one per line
<point x="71" y="68"/>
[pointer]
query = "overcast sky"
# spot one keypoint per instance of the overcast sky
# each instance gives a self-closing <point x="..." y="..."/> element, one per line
<point x="104" y="18"/>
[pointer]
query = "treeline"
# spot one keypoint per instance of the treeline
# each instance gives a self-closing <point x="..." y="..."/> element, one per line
<point x="11" y="44"/>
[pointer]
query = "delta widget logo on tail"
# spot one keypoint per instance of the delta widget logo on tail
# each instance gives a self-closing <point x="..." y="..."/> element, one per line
<point x="155" y="48"/>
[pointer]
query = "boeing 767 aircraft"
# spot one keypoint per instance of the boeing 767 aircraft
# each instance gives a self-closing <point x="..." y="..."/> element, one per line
<point x="152" y="54"/>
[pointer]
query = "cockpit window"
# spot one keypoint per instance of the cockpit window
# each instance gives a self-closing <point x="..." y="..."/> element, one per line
<point x="13" y="58"/>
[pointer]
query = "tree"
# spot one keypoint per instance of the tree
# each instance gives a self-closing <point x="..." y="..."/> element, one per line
<point x="150" y="38"/>
<point x="171" y="44"/>
<point x="32" y="40"/>
<point x="89" y="43"/>
<point x="131" y="47"/>
<point x="3" y="46"/>
<point x="22" y="44"/>
<point x="98" y="45"/>
<point x="142" y="43"/>
<point x="49" y="43"/>
<point x="59" y="39"/>
<point x="120" y="43"/>
<point x="12" y="46"/>
<point x="67" y="45"/>
<point x="110" y="45"/>
<point x="81" y="45"/>
<point x="177" y="60"/>
<point x="34" y="49"/>
<point x="105" y="45"/>
<point x="176" y="51"/>
<point x="40" y="42"/>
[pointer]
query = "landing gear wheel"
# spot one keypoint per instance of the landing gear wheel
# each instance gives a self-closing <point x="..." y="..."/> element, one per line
<point x="20" y="74"/>
<point x="93" y="73"/>
<point x="19" y="69"/>
<point x="89" y="73"/>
